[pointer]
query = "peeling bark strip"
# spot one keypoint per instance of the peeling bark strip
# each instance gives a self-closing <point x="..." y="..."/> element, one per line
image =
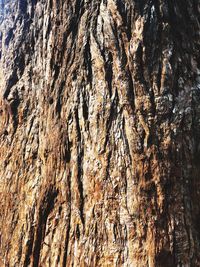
<point x="100" y="133"/>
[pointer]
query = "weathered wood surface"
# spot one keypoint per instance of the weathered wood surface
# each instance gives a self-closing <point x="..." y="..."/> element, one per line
<point x="100" y="133"/>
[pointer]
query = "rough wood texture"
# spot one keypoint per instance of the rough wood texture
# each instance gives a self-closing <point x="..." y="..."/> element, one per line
<point x="100" y="133"/>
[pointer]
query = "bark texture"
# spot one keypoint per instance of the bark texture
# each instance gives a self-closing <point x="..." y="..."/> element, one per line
<point x="100" y="133"/>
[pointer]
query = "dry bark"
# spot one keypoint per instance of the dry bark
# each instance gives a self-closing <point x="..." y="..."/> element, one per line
<point x="99" y="133"/>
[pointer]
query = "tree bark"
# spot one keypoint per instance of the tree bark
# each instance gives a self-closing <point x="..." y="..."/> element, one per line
<point x="100" y="133"/>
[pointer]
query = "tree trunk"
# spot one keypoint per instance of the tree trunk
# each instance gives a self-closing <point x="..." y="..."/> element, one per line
<point x="100" y="133"/>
